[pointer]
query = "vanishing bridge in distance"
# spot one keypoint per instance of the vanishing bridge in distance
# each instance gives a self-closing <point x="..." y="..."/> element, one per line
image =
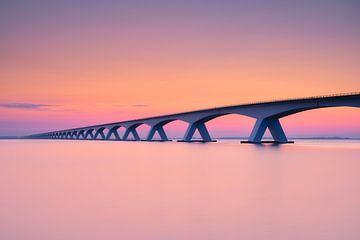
<point x="267" y="115"/>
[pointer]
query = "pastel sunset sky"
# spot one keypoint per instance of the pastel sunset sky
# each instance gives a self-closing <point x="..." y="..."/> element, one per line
<point x="67" y="64"/>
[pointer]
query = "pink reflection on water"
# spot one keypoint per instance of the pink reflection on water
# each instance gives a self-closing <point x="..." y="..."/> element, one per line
<point x="131" y="190"/>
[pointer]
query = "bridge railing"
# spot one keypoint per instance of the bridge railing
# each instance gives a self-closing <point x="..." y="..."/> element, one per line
<point x="296" y="99"/>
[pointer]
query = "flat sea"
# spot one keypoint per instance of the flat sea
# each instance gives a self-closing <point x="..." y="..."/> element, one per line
<point x="91" y="190"/>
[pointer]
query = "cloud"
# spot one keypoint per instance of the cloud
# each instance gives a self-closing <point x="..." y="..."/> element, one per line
<point x="24" y="105"/>
<point x="133" y="105"/>
<point x="140" y="105"/>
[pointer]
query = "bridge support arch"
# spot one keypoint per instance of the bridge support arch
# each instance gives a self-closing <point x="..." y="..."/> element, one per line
<point x="131" y="130"/>
<point x="89" y="133"/>
<point x="100" y="132"/>
<point x="159" y="128"/>
<point x="114" y="131"/>
<point x="274" y="126"/>
<point x="68" y="135"/>
<point x="74" y="135"/>
<point x="81" y="134"/>
<point x="201" y="127"/>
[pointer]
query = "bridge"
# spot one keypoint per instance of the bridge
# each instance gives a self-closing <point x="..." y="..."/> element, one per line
<point x="267" y="115"/>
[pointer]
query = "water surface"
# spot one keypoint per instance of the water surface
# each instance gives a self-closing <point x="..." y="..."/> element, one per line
<point x="62" y="189"/>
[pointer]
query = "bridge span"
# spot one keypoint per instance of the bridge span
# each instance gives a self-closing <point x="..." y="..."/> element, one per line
<point x="267" y="115"/>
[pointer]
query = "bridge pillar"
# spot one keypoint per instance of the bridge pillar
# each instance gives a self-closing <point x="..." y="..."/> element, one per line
<point x="81" y="134"/>
<point x="115" y="132"/>
<point x="133" y="131"/>
<point x="200" y="126"/>
<point x="161" y="132"/>
<point x="68" y="135"/>
<point x="274" y="126"/>
<point x="100" y="132"/>
<point x="74" y="135"/>
<point x="89" y="133"/>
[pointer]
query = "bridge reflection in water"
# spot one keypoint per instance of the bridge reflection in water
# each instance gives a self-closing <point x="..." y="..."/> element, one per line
<point x="267" y="115"/>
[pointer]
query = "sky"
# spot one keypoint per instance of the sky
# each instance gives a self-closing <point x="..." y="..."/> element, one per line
<point x="67" y="64"/>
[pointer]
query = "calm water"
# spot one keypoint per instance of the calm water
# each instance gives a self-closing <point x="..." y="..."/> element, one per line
<point x="139" y="190"/>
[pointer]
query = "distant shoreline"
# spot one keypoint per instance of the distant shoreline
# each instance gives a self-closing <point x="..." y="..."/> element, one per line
<point x="230" y="138"/>
<point x="301" y="138"/>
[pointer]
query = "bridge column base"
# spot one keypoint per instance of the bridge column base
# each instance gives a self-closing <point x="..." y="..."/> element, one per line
<point x="80" y="134"/>
<point x="115" y="132"/>
<point x="264" y="142"/>
<point x="100" y="132"/>
<point x="197" y="141"/>
<point x="160" y="130"/>
<point x="156" y="140"/>
<point x="133" y="131"/>
<point x="274" y="126"/>
<point x="89" y="134"/>
<point x="200" y="126"/>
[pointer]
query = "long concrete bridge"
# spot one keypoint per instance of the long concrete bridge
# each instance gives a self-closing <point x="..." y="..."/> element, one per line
<point x="267" y="115"/>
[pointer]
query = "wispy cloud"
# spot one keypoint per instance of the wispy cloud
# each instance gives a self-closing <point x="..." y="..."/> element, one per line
<point x="140" y="105"/>
<point x="133" y="105"/>
<point x="24" y="105"/>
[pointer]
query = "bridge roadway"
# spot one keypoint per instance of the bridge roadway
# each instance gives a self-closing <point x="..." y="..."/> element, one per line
<point x="267" y="115"/>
